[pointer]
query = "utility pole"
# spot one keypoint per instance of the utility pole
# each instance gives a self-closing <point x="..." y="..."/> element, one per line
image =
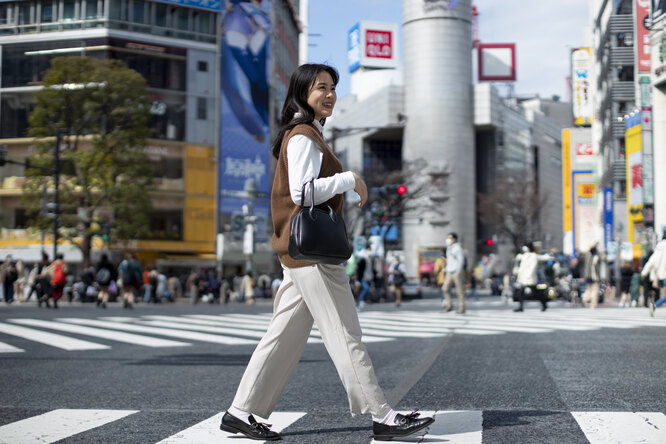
<point x="56" y="181"/>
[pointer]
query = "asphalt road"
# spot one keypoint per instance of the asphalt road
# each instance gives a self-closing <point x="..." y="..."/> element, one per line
<point x="568" y="375"/>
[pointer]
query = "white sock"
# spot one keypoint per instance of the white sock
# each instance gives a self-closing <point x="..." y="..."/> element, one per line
<point x="240" y="414"/>
<point x="389" y="419"/>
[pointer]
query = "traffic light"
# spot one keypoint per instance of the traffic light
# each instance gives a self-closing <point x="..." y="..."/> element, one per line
<point x="401" y="189"/>
<point x="490" y="242"/>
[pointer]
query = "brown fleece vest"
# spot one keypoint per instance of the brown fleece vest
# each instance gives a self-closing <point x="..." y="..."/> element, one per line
<point x="282" y="207"/>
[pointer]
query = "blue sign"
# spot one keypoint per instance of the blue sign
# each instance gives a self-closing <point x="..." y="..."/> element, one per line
<point x="245" y="134"/>
<point x="210" y="5"/>
<point x="608" y="216"/>
<point x="354" y="47"/>
<point x="633" y="120"/>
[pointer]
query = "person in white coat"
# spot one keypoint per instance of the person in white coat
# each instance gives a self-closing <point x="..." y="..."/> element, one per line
<point x="455" y="265"/>
<point x="527" y="276"/>
<point x="655" y="271"/>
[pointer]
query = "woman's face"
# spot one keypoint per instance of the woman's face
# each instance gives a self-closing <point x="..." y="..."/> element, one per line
<point x="322" y="96"/>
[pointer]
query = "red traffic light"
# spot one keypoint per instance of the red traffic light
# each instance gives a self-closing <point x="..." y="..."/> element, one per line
<point x="489" y="242"/>
<point x="402" y="189"/>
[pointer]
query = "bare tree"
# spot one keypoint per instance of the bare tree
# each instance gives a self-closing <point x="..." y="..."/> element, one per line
<point x="513" y="209"/>
<point x="424" y="190"/>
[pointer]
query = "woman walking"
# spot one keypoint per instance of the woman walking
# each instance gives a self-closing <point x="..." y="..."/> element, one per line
<point x="309" y="291"/>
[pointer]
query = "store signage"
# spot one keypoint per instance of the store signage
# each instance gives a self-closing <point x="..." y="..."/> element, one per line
<point x="584" y="149"/>
<point x="378" y="44"/>
<point x="372" y="45"/>
<point x="642" y="36"/>
<point x="581" y="64"/>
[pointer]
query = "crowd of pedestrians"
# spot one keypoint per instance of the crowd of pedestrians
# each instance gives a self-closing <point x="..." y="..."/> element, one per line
<point x="372" y="278"/>
<point x="48" y="282"/>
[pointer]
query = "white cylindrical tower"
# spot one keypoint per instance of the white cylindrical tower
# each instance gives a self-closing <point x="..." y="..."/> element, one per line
<point x="439" y="100"/>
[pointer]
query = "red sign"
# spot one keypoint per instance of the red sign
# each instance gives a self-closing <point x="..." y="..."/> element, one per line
<point x="584" y="149"/>
<point x="636" y="175"/>
<point x="643" y="35"/>
<point x="378" y="44"/>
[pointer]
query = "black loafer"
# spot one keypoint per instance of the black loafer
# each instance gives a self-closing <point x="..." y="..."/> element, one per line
<point x="253" y="430"/>
<point x="405" y="425"/>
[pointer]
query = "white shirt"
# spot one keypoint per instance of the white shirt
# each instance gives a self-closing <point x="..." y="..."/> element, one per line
<point x="455" y="258"/>
<point x="304" y="159"/>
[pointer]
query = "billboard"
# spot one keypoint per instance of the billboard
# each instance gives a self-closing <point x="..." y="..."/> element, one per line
<point x="244" y="125"/>
<point x="580" y="190"/>
<point x="372" y="45"/>
<point x="581" y="65"/>
<point x="210" y="5"/>
<point x="643" y="55"/>
<point x="634" y="159"/>
<point x="496" y="62"/>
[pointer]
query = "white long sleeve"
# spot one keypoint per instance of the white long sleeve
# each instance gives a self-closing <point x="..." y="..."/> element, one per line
<point x="304" y="159"/>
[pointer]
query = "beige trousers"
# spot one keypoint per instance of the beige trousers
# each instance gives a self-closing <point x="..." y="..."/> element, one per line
<point x="318" y="293"/>
<point x="591" y="294"/>
<point x="456" y="279"/>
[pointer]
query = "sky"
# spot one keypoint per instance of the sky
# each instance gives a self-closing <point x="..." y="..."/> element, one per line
<point x="544" y="36"/>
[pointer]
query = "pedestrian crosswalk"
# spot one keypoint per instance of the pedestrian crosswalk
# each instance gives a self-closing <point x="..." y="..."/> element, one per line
<point x="451" y="427"/>
<point x="233" y="329"/>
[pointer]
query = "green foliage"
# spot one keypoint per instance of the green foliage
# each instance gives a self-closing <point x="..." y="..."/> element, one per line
<point x="101" y="110"/>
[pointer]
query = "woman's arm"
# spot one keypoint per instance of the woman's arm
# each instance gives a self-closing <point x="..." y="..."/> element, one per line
<point x="304" y="163"/>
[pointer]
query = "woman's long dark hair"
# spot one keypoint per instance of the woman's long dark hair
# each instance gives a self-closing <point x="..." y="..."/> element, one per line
<point x="297" y="99"/>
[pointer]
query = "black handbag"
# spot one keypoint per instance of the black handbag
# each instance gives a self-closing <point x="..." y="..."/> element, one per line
<point x="318" y="235"/>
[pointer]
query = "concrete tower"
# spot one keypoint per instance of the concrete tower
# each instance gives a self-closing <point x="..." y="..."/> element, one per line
<point x="439" y="101"/>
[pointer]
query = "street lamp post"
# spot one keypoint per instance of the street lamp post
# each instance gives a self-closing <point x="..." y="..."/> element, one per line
<point x="250" y="189"/>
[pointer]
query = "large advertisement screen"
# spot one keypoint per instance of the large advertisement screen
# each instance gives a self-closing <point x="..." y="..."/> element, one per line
<point x="244" y="126"/>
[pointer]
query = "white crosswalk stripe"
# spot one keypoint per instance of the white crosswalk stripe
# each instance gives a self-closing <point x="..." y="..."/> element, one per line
<point x="181" y="334"/>
<point x="60" y="341"/>
<point x="459" y="427"/>
<point x="6" y="348"/>
<point x="89" y="331"/>
<point x="451" y="427"/>
<point x="208" y="431"/>
<point x="622" y="427"/>
<point x="57" y="424"/>
<point x="248" y="329"/>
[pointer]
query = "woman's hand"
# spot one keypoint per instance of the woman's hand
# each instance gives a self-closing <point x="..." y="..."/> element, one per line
<point x="361" y="189"/>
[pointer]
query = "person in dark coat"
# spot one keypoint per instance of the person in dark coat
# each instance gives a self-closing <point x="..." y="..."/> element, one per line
<point x="105" y="272"/>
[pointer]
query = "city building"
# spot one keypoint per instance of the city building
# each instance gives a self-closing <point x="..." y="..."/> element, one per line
<point x="658" y="82"/>
<point x="427" y="108"/>
<point x="623" y="94"/>
<point x="180" y="48"/>
<point x="512" y="138"/>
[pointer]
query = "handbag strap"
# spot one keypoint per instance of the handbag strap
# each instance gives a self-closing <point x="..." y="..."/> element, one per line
<point x="311" y="183"/>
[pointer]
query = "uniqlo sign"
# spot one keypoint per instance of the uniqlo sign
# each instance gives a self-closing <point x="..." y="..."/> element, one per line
<point x="378" y="44"/>
<point x="584" y="149"/>
<point x="372" y="45"/>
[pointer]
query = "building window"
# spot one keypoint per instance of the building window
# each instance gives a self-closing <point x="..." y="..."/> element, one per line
<point x="202" y="66"/>
<point x="202" y="106"/>
<point x="69" y="10"/>
<point x="139" y="9"/>
<point x="5" y="14"/>
<point x="47" y="12"/>
<point x="166" y="225"/>
<point x="91" y="9"/>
